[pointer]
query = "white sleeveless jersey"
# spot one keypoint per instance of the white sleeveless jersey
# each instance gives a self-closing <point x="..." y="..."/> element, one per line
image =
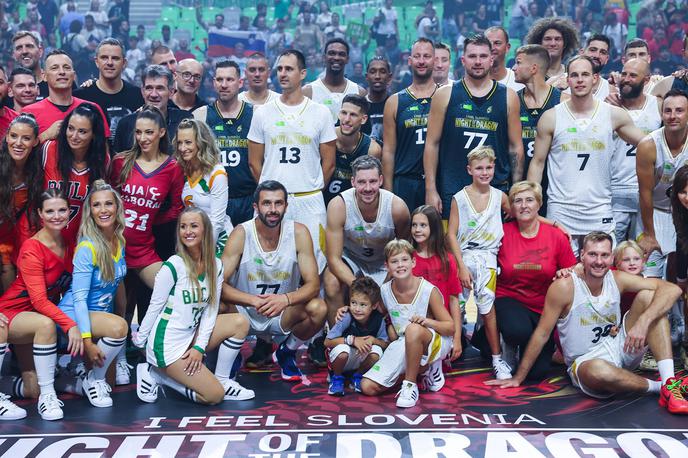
<point x="600" y="93"/>
<point x="400" y="313"/>
<point x="267" y="272"/>
<point x="210" y="194"/>
<point x="272" y="95"/>
<point x="666" y="166"/>
<point x="292" y="138"/>
<point x="510" y="81"/>
<point x="480" y="231"/>
<point x="579" y="190"/>
<point x="624" y="177"/>
<point x="590" y="319"/>
<point x="178" y="313"/>
<point x="364" y="242"/>
<point x="332" y="100"/>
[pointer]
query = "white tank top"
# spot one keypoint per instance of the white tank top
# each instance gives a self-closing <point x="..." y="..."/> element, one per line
<point x="590" y="319"/>
<point x="666" y="166"/>
<point x="602" y="90"/>
<point x="365" y="241"/>
<point x="272" y="95"/>
<point x="480" y="231"/>
<point x="267" y="272"/>
<point x="400" y="313"/>
<point x="510" y="81"/>
<point x="579" y="190"/>
<point x="624" y="176"/>
<point x="332" y="100"/>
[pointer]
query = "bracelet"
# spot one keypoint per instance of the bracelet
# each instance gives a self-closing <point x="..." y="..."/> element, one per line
<point x="199" y="349"/>
<point x="288" y="300"/>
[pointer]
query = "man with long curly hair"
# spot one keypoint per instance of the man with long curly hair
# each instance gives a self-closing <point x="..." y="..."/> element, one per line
<point x="560" y="38"/>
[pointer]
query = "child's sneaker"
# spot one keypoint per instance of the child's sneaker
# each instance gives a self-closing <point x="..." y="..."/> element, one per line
<point x="433" y="378"/>
<point x="357" y="377"/>
<point x="336" y="386"/>
<point x="407" y="395"/>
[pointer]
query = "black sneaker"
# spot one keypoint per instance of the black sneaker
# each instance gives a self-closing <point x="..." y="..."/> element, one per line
<point x="316" y="352"/>
<point x="262" y="354"/>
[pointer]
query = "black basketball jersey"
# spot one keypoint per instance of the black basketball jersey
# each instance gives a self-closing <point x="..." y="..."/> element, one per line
<point x="341" y="178"/>
<point x="529" y="120"/>
<point x="412" y="126"/>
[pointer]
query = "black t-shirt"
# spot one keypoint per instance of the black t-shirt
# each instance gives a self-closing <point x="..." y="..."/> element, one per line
<point x="115" y="106"/>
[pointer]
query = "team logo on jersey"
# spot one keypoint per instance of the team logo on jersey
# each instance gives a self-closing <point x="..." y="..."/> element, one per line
<point x="467" y="106"/>
<point x="280" y="124"/>
<point x="258" y="261"/>
<point x="414" y="108"/>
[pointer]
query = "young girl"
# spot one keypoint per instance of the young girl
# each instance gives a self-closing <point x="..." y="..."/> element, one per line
<point x="29" y="313"/>
<point x="21" y="185"/>
<point x="205" y="184"/>
<point x="99" y="269"/>
<point x="182" y="322"/>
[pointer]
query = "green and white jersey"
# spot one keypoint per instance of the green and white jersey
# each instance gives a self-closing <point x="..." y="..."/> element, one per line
<point x="177" y="313"/>
<point x="401" y="313"/>
<point x="480" y="231"/>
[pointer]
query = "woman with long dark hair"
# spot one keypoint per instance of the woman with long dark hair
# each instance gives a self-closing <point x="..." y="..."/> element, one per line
<point x="75" y="159"/>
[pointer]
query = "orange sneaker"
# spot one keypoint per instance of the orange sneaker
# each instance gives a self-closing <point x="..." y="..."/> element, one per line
<point x="673" y="396"/>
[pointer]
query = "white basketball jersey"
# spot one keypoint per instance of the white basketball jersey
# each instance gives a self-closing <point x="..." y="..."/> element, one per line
<point x="267" y="272"/>
<point x="480" y="231"/>
<point x="666" y="166"/>
<point x="400" y="313"/>
<point x="624" y="177"/>
<point x="510" y="81"/>
<point x="292" y="136"/>
<point x="600" y="93"/>
<point x="332" y="100"/>
<point x="590" y="319"/>
<point x="579" y="190"/>
<point x="272" y="95"/>
<point x="209" y="194"/>
<point x="364" y="242"/>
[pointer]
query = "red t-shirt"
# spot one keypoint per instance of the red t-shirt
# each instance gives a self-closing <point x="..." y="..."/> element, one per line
<point x="47" y="113"/>
<point x="527" y="266"/>
<point x="431" y="270"/>
<point x="6" y="118"/>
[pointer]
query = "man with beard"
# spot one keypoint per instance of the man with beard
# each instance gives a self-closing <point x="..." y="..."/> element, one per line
<point x="114" y="96"/>
<point x="600" y="346"/>
<point x="440" y="72"/>
<point x="644" y="111"/>
<point x="162" y="55"/>
<point x="499" y="39"/>
<point x="257" y="73"/>
<point x="405" y="124"/>
<point x="272" y="276"/>
<point x="575" y="140"/>
<point x="188" y="78"/>
<point x="560" y="38"/>
<point x="379" y="77"/>
<point x="331" y="90"/>
<point x="23" y="88"/>
<point x="475" y="111"/>
<point x="351" y="143"/>
<point x="536" y="97"/>
<point x="360" y="222"/>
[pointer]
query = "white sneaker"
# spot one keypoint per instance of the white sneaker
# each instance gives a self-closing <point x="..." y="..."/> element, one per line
<point x="97" y="391"/>
<point x="122" y="372"/>
<point x="50" y="407"/>
<point x="433" y="378"/>
<point x="501" y="369"/>
<point x="146" y="387"/>
<point x="9" y="410"/>
<point x="407" y="395"/>
<point x="236" y="392"/>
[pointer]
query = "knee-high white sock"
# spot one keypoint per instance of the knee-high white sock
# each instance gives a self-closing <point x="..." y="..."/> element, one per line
<point x="111" y="348"/>
<point x="164" y="379"/>
<point x="229" y="349"/>
<point x="45" y="359"/>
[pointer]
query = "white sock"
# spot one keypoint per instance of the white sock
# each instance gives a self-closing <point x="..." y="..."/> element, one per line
<point x="111" y="348"/>
<point x="496" y="358"/>
<point x="166" y="380"/>
<point x="653" y="386"/>
<point x="122" y="355"/>
<point x="293" y="343"/>
<point x="45" y="359"/>
<point x="666" y="369"/>
<point x="229" y="349"/>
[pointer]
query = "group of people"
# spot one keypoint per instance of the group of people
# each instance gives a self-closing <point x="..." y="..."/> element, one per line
<point x="271" y="214"/>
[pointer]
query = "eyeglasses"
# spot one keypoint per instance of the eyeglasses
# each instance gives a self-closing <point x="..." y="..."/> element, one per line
<point x="188" y="75"/>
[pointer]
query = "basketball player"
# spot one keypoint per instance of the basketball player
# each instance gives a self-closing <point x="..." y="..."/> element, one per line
<point x="644" y="112"/>
<point x="359" y="224"/>
<point x="331" y="89"/>
<point x="440" y="72"/>
<point x="405" y="125"/>
<point x="378" y="77"/>
<point x="229" y="119"/>
<point x="499" y="38"/>
<point x="272" y="276"/>
<point x="575" y="138"/>
<point x="292" y="141"/>
<point x="660" y="155"/>
<point x="601" y="347"/>
<point x="475" y="111"/>
<point x="257" y="73"/>
<point x="351" y="143"/>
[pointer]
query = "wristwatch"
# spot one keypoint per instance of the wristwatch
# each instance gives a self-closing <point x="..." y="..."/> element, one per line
<point x="350" y="339"/>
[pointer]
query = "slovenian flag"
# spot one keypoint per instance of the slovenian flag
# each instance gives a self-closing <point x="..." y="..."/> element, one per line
<point x="221" y="44"/>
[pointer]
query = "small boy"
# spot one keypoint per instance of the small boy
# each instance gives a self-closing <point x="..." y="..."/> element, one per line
<point x="424" y="326"/>
<point x="356" y="341"/>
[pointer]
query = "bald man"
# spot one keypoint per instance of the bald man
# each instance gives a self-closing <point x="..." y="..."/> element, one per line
<point x="188" y="78"/>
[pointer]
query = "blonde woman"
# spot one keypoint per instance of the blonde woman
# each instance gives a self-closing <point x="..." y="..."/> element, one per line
<point x="97" y="290"/>
<point x="205" y="183"/>
<point x="182" y="322"/>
